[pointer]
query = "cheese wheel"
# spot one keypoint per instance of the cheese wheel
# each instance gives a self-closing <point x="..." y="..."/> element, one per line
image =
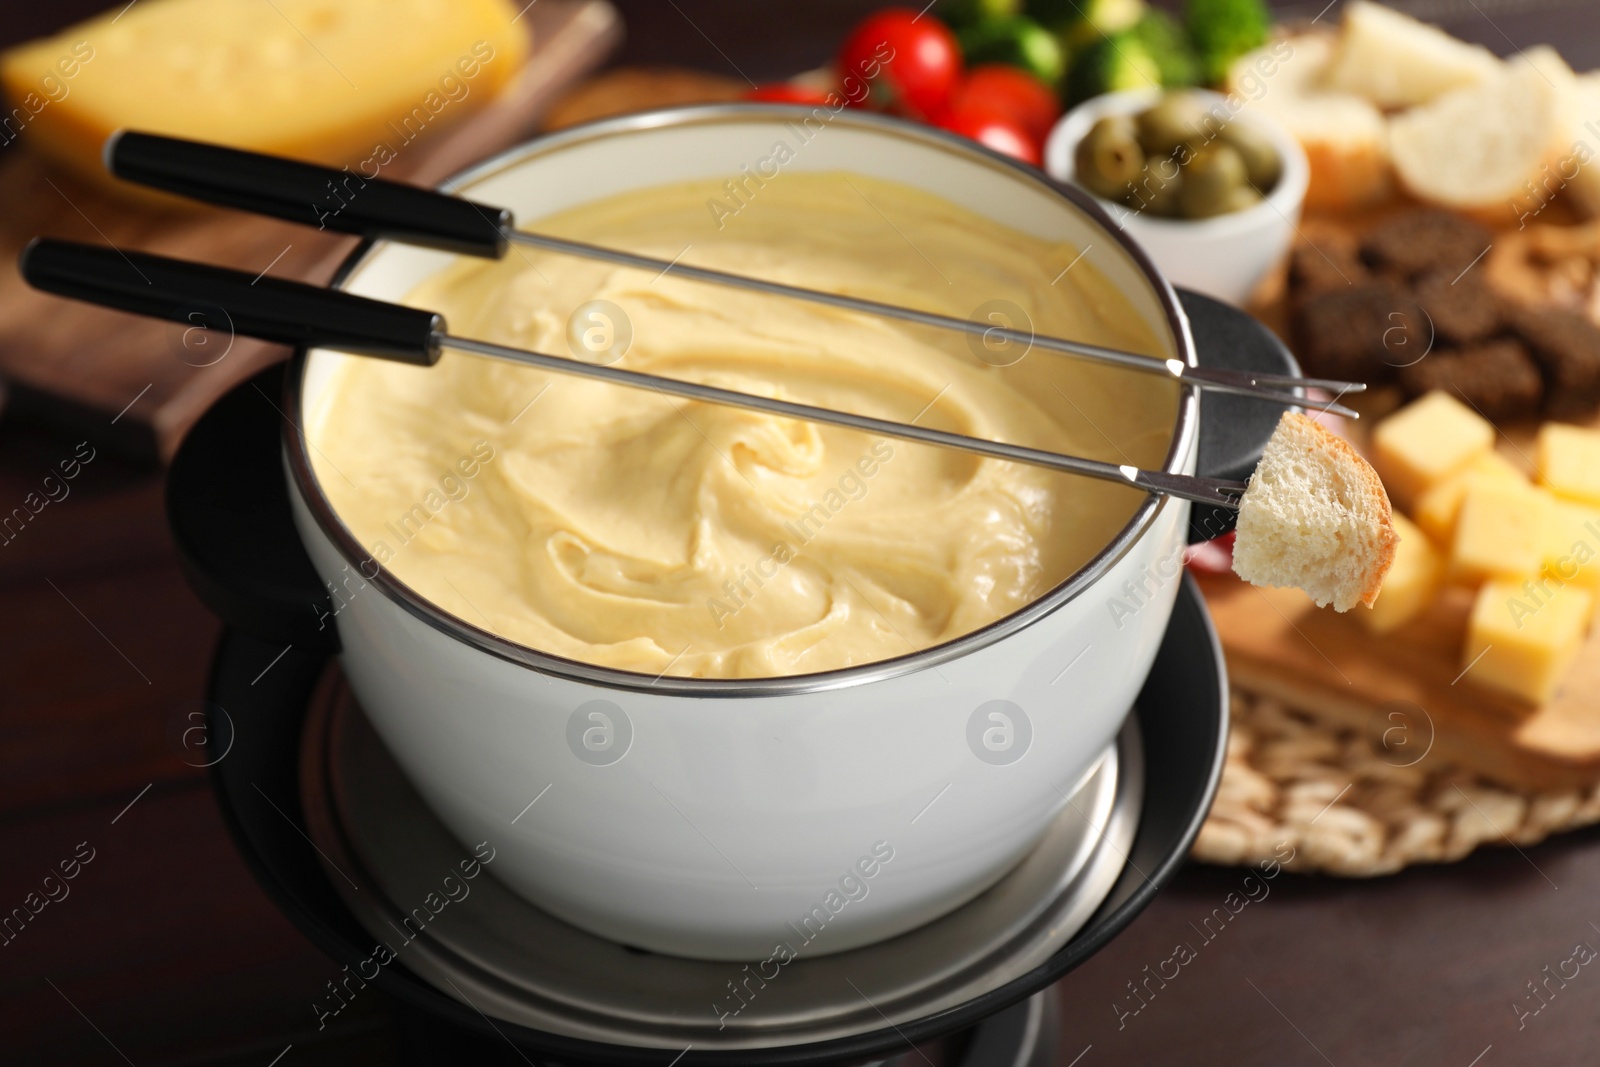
<point x="344" y="82"/>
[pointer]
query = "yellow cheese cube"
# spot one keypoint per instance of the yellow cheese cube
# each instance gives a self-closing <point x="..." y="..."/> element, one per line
<point x="350" y="83"/>
<point x="1569" y="461"/>
<point x="1572" y="544"/>
<point x="1412" y="580"/>
<point x="1522" y="642"/>
<point x="1427" y="441"/>
<point x="1436" y="508"/>
<point x="1501" y="532"/>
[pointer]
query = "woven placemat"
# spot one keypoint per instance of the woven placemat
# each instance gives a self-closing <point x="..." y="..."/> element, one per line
<point x="1362" y="803"/>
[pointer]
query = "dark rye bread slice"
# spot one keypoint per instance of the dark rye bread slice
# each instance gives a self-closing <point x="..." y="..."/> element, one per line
<point x="1426" y="239"/>
<point x="1566" y="346"/>
<point x="1360" y="333"/>
<point x="1460" y="306"/>
<point x="1498" y="378"/>
<point x="1328" y="263"/>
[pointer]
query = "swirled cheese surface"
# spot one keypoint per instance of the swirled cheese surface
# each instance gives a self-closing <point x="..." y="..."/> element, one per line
<point x="626" y="528"/>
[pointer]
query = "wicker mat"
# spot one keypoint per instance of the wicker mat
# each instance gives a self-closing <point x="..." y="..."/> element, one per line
<point x="1356" y="804"/>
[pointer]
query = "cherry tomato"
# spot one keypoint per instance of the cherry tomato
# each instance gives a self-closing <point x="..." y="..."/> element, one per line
<point x="1004" y="90"/>
<point x="787" y="93"/>
<point x="999" y="132"/>
<point x="901" y="62"/>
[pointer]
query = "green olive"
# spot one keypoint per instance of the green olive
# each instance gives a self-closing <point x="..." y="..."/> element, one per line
<point x="1108" y="158"/>
<point x="1210" y="180"/>
<point x="1158" y="189"/>
<point x="1175" y="119"/>
<point x="1262" y="164"/>
<point x="1242" y="197"/>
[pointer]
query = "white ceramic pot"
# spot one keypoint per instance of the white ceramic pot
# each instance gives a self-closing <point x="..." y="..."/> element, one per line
<point x="717" y="818"/>
<point x="1226" y="257"/>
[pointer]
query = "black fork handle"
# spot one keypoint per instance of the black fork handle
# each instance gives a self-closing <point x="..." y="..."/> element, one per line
<point x="323" y="198"/>
<point x="231" y="301"/>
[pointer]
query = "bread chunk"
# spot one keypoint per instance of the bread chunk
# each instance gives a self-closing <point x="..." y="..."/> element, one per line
<point x="1315" y="517"/>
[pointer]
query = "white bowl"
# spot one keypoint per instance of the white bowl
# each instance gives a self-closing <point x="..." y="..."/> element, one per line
<point x="721" y="818"/>
<point x="1224" y="257"/>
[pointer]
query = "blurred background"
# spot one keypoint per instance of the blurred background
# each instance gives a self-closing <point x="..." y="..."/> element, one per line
<point x="165" y="950"/>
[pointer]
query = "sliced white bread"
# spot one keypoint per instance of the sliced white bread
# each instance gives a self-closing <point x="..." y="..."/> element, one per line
<point x="1344" y="135"/>
<point x="1585" y="183"/>
<point x="1496" y="150"/>
<point x="1315" y="517"/>
<point x="1396" y="61"/>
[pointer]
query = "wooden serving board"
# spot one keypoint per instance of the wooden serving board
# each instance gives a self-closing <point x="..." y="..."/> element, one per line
<point x="132" y="383"/>
<point x="1279" y="644"/>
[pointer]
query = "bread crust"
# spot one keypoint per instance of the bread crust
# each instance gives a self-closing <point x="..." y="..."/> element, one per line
<point x="1343" y="455"/>
<point x="1346" y="175"/>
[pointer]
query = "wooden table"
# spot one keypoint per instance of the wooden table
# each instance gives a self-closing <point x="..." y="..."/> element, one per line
<point x="164" y="950"/>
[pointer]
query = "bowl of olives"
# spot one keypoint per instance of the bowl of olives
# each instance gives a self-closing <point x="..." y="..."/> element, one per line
<point x="1212" y="191"/>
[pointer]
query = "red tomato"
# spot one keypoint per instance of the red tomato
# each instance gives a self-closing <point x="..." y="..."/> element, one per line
<point x="900" y="62"/>
<point x="787" y="93"/>
<point x="999" y="132"/>
<point x="1211" y="557"/>
<point x="1004" y="90"/>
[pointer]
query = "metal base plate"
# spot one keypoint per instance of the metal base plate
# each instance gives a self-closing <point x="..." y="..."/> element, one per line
<point x="506" y="958"/>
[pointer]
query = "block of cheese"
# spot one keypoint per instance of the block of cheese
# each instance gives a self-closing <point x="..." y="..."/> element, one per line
<point x="1569" y="461"/>
<point x="345" y="82"/>
<point x="1427" y="441"/>
<point x="1501" y="532"/>
<point x="1435" y="510"/>
<point x="1521" y="641"/>
<point x="1413" y="579"/>
<point x="1572" y="544"/>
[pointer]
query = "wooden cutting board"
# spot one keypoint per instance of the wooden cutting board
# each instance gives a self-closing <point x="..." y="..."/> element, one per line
<point x="134" y="384"/>
<point x="1279" y="644"/>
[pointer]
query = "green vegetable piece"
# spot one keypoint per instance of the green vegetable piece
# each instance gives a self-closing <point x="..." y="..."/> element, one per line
<point x="1108" y="159"/>
<point x="1210" y="180"/>
<point x="960" y="13"/>
<point x="1018" y="41"/>
<point x="1224" y="30"/>
<point x="1169" y="45"/>
<point x="1081" y="23"/>
<point x="1112" y="65"/>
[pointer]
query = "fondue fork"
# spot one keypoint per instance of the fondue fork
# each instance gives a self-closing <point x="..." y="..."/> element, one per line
<point x="378" y="209"/>
<point x="274" y="309"/>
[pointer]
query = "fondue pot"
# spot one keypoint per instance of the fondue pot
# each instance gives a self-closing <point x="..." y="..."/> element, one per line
<point x="714" y="818"/>
<point x="767" y="819"/>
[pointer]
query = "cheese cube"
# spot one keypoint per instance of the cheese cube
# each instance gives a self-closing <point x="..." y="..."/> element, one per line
<point x="1411" y="583"/>
<point x="1427" y="441"/>
<point x="1436" y="508"/>
<point x="348" y="83"/>
<point x="1572" y="544"/>
<point x="1569" y="461"/>
<point x="1501" y="532"/>
<point x="1522" y="642"/>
